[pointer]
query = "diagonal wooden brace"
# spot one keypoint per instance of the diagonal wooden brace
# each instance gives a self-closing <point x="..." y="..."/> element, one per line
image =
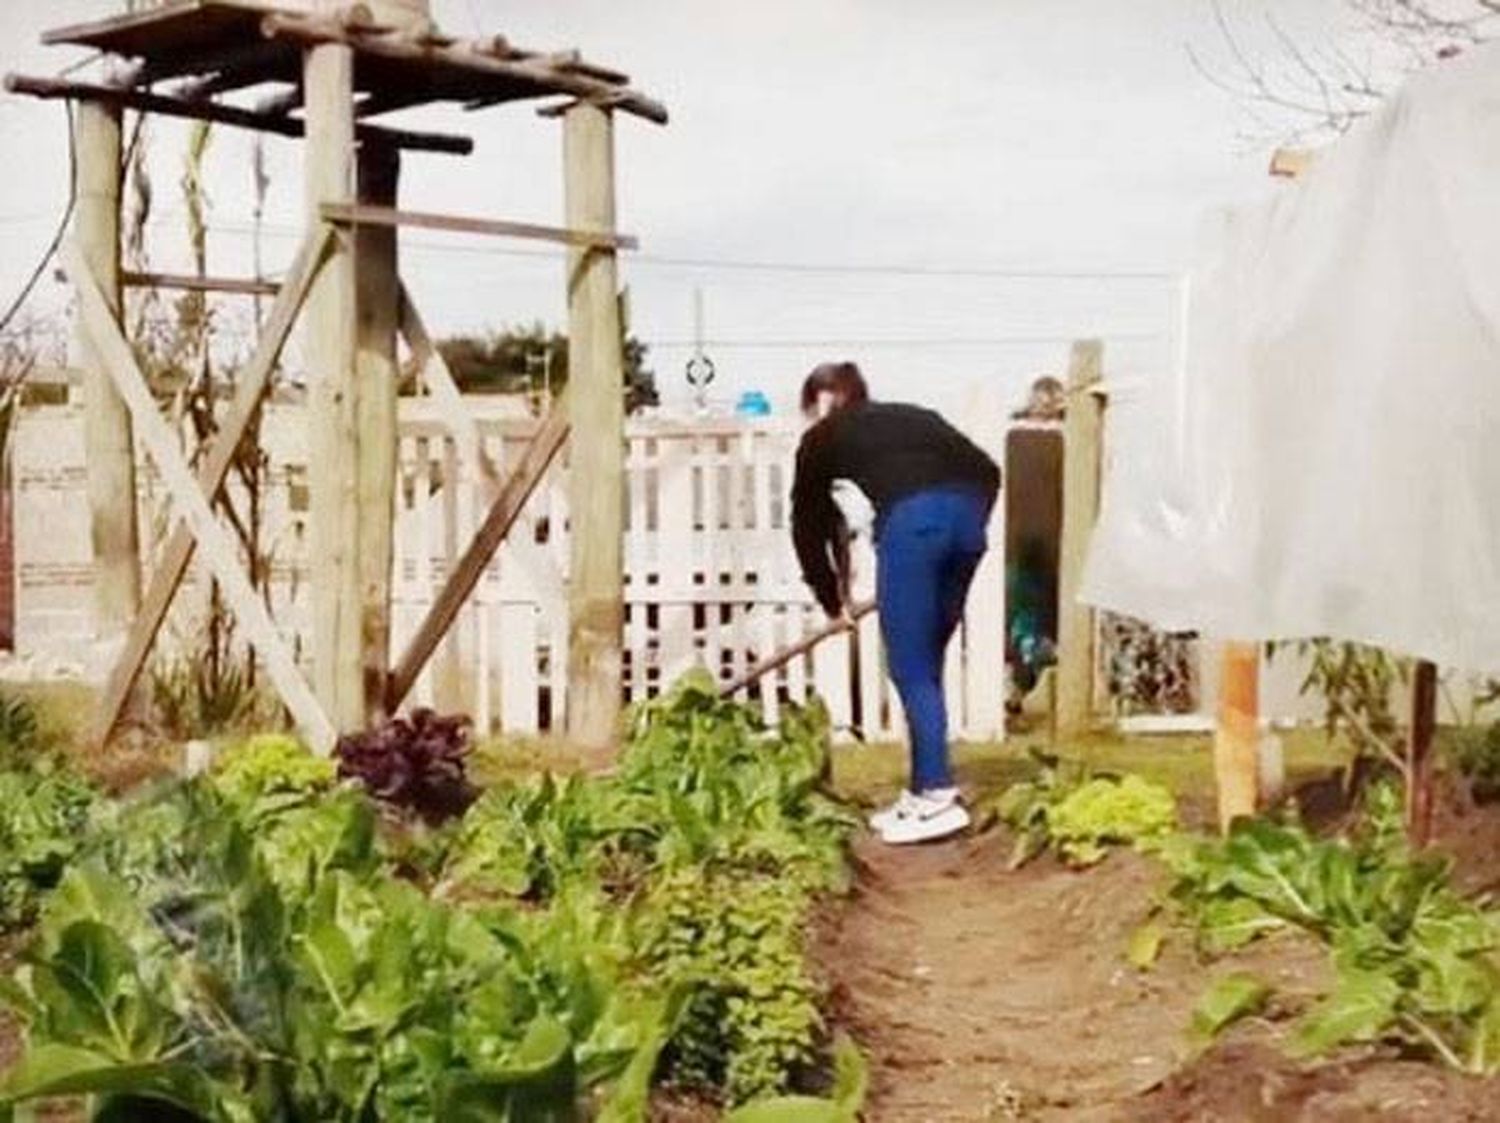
<point x="214" y="470"/>
<point x="438" y="379"/>
<point x="194" y="498"/>
<point x="503" y="513"/>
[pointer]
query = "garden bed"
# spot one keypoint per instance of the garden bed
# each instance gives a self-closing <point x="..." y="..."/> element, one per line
<point x="982" y="993"/>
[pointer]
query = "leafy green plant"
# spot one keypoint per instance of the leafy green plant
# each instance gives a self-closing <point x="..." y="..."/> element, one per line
<point x="201" y="697"/>
<point x="416" y="764"/>
<point x="1080" y="814"/>
<point x="1230" y="998"/>
<point x="529" y="840"/>
<point x="20" y="732"/>
<point x="256" y="944"/>
<point x="46" y="812"/>
<point x="1475" y="753"/>
<point x="1357" y="683"/>
<point x="1414" y="960"/>
<point x="850" y="1086"/>
<point x="270" y="763"/>
<point x="714" y="834"/>
<point x="225" y="989"/>
<point x="738" y="944"/>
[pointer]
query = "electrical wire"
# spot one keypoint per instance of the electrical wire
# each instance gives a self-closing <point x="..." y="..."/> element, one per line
<point x="58" y="235"/>
<point x="928" y="341"/>
<point x="744" y="265"/>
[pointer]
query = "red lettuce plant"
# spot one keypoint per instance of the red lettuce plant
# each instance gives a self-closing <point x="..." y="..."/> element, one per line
<point x="417" y="764"/>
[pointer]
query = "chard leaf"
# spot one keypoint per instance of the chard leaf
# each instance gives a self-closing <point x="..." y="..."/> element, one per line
<point x="1484" y="1044"/>
<point x="1145" y="944"/>
<point x="1226" y="924"/>
<point x="1230" y="998"/>
<point x="537" y="1085"/>
<point x="1361" y="1009"/>
<point x="62" y="1070"/>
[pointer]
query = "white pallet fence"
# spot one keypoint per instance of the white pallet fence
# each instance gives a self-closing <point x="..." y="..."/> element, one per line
<point x="711" y="579"/>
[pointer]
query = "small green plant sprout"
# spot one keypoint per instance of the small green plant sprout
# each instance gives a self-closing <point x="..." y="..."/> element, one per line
<point x="1228" y="999"/>
<point x="1080" y="814"/>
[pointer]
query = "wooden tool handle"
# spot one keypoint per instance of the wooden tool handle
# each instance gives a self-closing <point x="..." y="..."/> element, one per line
<point x="784" y="656"/>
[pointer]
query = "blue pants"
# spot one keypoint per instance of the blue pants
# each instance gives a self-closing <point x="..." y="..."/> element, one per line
<point x="928" y="545"/>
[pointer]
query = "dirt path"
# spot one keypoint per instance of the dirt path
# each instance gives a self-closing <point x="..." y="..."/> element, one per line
<point x="981" y="994"/>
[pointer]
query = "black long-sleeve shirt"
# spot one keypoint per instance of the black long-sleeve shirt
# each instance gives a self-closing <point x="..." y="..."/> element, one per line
<point x="888" y="450"/>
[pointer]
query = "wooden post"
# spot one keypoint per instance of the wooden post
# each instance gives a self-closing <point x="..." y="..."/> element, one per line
<point x="596" y="476"/>
<point x="1419" y="752"/>
<point x="108" y="435"/>
<point x="1237" y="738"/>
<point x="1082" y="438"/>
<point x="333" y="435"/>
<point x="377" y="318"/>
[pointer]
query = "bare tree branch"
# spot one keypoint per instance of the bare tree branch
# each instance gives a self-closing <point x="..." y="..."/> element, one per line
<point x="1305" y="90"/>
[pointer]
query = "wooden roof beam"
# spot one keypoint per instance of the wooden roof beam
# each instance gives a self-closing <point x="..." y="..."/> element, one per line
<point x="281" y="102"/>
<point x="256" y="62"/>
<point x="226" y="114"/>
<point x="546" y="77"/>
<point x="573" y="61"/>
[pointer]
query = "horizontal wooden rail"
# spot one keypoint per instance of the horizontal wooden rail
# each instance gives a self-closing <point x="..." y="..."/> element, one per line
<point x="241" y="286"/>
<point x="148" y="102"/>
<point x="362" y="215"/>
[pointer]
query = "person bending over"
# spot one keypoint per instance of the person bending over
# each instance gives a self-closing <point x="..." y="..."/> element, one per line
<point x="932" y="490"/>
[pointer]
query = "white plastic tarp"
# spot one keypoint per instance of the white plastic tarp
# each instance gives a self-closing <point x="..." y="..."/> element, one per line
<point x="1327" y="460"/>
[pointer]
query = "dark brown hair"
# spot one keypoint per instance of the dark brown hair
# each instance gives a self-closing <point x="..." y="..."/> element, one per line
<point x="842" y="380"/>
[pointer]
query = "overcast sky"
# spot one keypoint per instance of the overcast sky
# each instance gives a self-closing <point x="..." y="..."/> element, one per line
<point x="926" y="150"/>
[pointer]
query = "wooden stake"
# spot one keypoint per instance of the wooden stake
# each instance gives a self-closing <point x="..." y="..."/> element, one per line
<point x="1237" y="739"/>
<point x="514" y="493"/>
<point x="333" y="432"/>
<point x="596" y="476"/>
<point x="214" y="470"/>
<point x="106" y="420"/>
<point x="220" y="549"/>
<point x="1082" y="438"/>
<point x="1419" y="752"/>
<point x="377" y="316"/>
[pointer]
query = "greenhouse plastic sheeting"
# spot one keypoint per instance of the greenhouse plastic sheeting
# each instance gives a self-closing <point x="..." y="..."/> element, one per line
<point x="1326" y="462"/>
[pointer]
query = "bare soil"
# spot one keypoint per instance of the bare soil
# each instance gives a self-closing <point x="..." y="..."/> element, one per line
<point x="983" y="994"/>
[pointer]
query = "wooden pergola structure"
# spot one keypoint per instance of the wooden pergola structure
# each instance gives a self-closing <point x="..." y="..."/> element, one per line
<point x="324" y="73"/>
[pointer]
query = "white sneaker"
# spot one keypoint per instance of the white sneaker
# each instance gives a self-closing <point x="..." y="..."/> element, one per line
<point x="922" y="818"/>
<point x="887" y="816"/>
<point x="908" y="803"/>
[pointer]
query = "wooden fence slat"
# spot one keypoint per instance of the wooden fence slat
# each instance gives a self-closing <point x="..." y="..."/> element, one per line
<point x="675" y="557"/>
<point x="518" y="669"/>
